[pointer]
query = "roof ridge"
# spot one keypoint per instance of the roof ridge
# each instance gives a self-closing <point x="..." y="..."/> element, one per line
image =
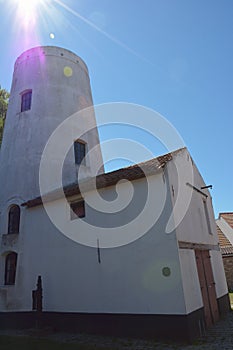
<point x="226" y="212"/>
<point x="159" y="158"/>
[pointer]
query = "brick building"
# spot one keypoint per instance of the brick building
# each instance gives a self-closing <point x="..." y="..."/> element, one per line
<point x="225" y="234"/>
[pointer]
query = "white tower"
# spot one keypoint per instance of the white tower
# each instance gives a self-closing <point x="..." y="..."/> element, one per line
<point x="49" y="85"/>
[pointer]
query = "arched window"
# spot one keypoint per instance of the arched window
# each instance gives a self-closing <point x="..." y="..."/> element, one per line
<point x="10" y="268"/>
<point x="13" y="219"/>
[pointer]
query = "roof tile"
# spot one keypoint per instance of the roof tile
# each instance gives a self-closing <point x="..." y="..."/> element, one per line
<point x="228" y="217"/>
<point x="225" y="245"/>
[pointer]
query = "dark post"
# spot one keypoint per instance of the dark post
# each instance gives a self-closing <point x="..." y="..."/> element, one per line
<point x="37" y="296"/>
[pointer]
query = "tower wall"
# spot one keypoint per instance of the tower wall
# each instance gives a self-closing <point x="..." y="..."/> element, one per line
<point x="60" y="86"/>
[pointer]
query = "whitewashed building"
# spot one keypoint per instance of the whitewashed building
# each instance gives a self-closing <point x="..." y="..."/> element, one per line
<point x="147" y="279"/>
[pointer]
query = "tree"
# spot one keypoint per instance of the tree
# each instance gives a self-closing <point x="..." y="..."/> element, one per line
<point x="4" y="98"/>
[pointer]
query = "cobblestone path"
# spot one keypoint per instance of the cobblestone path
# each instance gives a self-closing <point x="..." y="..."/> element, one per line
<point x="219" y="337"/>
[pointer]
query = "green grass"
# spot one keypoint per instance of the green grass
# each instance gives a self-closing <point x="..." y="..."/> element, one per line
<point x="231" y="298"/>
<point x="30" y="343"/>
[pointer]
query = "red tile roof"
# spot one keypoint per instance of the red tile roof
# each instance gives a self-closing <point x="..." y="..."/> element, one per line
<point x="228" y="217"/>
<point x="226" y="251"/>
<point x="225" y="245"/>
<point x="223" y="240"/>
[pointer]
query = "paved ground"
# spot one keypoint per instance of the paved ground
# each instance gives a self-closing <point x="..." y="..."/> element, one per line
<point x="218" y="337"/>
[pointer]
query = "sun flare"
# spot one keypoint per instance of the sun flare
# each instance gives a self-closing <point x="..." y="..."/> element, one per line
<point x="27" y="10"/>
<point x="28" y="6"/>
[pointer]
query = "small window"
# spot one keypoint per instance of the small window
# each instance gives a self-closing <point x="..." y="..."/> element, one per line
<point x="207" y="216"/>
<point x="26" y="100"/>
<point x="77" y="210"/>
<point x="13" y="219"/>
<point x="10" y="268"/>
<point x="79" y="152"/>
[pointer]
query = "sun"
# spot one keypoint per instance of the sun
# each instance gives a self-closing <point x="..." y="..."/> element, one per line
<point x="29" y="6"/>
<point x="27" y="10"/>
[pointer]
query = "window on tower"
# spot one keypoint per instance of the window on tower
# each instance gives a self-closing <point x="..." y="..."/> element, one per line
<point x="13" y="219"/>
<point x="26" y="100"/>
<point x="80" y="152"/>
<point x="10" y="268"/>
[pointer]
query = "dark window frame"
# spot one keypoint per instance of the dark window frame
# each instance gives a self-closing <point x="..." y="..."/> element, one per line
<point x="80" y="148"/>
<point x="77" y="209"/>
<point x="13" y="219"/>
<point x="10" y="268"/>
<point x="26" y="100"/>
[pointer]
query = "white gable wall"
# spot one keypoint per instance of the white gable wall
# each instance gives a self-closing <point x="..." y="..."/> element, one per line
<point x="194" y="229"/>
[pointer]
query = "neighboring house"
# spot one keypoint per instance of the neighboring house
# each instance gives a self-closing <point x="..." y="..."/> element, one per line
<point x="133" y="274"/>
<point x="225" y="234"/>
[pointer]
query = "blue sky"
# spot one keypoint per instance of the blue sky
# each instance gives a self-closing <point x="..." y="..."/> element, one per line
<point x="174" y="56"/>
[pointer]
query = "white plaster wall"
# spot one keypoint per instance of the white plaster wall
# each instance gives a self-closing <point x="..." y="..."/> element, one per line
<point x="129" y="278"/>
<point x="12" y="297"/>
<point x="219" y="273"/>
<point x="191" y="284"/>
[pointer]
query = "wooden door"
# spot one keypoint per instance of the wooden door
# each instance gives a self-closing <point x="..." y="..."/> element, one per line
<point x="210" y="285"/>
<point x="207" y="285"/>
<point x="204" y="290"/>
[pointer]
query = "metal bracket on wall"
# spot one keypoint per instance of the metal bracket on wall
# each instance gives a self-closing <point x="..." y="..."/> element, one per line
<point x="196" y="189"/>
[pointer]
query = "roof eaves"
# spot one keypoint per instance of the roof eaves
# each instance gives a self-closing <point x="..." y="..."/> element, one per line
<point x="133" y="172"/>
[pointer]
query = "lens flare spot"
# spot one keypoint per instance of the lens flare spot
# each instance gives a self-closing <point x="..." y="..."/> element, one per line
<point x="68" y="71"/>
